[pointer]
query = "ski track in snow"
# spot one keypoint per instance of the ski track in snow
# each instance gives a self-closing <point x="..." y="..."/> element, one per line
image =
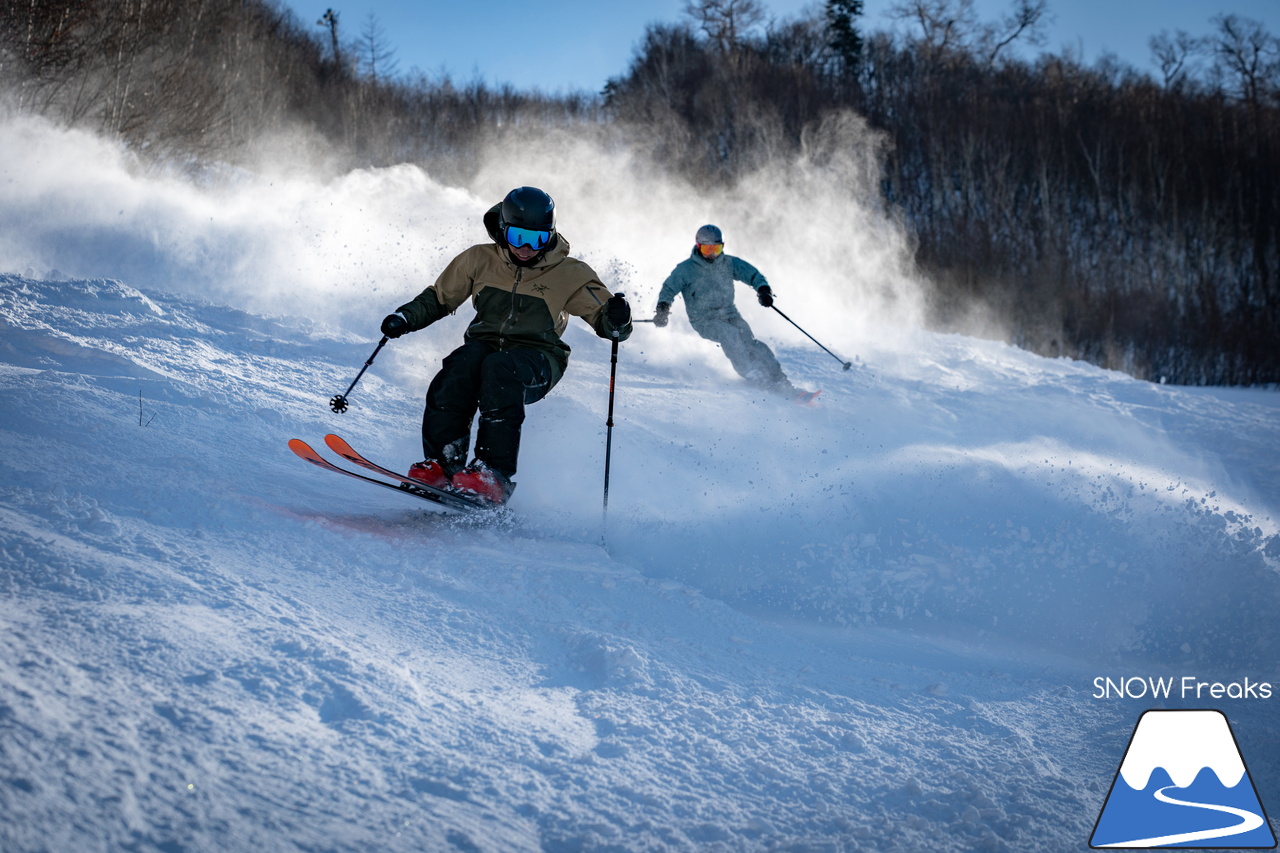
<point x="868" y="625"/>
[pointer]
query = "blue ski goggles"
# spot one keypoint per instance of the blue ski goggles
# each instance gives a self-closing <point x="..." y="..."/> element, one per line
<point x="517" y="237"/>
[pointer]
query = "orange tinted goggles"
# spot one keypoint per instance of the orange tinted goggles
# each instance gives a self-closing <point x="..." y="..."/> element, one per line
<point x="710" y="250"/>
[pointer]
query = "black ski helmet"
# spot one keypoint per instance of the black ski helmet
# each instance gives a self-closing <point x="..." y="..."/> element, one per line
<point x="528" y="207"/>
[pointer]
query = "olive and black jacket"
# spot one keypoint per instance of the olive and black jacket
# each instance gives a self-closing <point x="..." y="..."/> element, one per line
<point x="517" y="305"/>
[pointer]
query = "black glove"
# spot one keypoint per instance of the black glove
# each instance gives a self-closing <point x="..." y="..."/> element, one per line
<point x="617" y="311"/>
<point x="394" y="325"/>
<point x="660" y="316"/>
<point x="765" y="295"/>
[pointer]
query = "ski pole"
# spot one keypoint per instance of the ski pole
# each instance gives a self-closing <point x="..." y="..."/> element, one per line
<point x="339" y="402"/>
<point x="847" y="364"/>
<point x="608" y="441"/>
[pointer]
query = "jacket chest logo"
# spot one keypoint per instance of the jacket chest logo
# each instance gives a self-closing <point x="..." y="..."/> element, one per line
<point x="540" y="288"/>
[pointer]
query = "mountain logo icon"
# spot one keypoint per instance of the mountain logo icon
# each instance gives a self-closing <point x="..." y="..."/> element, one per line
<point x="1183" y="783"/>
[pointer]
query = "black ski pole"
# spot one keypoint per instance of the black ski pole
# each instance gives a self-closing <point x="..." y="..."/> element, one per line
<point x="847" y="364"/>
<point x="339" y="402"/>
<point x="608" y="441"/>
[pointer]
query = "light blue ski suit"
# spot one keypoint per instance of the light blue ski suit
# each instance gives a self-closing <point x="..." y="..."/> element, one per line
<point x="707" y="287"/>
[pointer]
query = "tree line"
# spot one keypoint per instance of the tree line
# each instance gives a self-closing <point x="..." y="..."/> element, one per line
<point x="211" y="79"/>
<point x="1094" y="211"/>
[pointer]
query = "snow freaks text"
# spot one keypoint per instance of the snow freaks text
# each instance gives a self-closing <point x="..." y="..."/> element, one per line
<point x="1184" y="687"/>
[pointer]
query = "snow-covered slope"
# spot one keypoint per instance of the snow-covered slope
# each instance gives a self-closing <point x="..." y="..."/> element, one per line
<point x="871" y="624"/>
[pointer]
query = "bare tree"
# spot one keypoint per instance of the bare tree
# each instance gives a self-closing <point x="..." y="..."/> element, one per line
<point x="376" y="56"/>
<point x="1248" y="54"/>
<point x="950" y="27"/>
<point x="945" y="25"/>
<point x="726" y="22"/>
<point x="1025" y="21"/>
<point x="1174" y="55"/>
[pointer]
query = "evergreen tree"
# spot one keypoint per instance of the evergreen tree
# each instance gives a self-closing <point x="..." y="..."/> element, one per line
<point x="844" y="39"/>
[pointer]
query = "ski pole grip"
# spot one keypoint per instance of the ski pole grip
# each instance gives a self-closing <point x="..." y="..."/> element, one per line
<point x="618" y="295"/>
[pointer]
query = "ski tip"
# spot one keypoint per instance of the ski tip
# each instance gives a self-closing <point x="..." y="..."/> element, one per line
<point x="806" y="398"/>
<point x="305" y="451"/>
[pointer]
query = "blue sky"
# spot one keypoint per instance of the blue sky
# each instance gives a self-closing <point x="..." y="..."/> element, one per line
<point x="579" y="44"/>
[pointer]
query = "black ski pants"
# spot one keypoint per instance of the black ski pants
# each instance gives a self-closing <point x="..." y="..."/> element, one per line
<point x="477" y="376"/>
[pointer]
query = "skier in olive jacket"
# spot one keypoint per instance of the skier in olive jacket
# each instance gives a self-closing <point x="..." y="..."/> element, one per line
<point x="523" y="286"/>
<point x="706" y="280"/>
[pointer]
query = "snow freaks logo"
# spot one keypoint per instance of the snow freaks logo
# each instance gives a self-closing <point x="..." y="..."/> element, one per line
<point x="1182" y="782"/>
<point x="1187" y="687"/>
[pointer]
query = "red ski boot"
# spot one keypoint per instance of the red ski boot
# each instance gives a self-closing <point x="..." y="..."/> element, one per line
<point x="429" y="471"/>
<point x="478" y="479"/>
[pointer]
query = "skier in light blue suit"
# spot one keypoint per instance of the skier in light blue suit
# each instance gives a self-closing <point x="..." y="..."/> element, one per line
<point x="706" y="280"/>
